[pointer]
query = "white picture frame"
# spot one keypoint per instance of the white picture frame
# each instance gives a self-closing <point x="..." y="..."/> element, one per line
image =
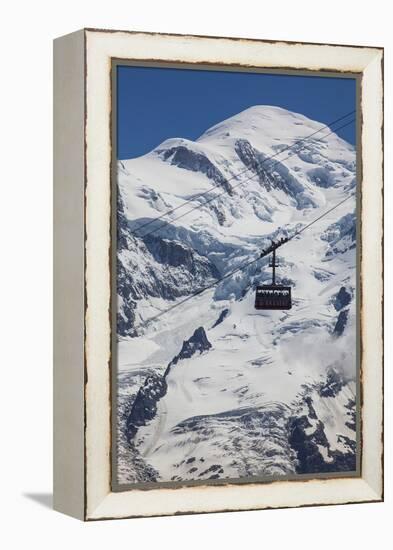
<point x="82" y="245"/>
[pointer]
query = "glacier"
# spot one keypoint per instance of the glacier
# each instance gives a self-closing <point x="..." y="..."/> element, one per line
<point x="209" y="388"/>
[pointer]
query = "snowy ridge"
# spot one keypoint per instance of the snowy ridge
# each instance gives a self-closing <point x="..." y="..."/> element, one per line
<point x="215" y="389"/>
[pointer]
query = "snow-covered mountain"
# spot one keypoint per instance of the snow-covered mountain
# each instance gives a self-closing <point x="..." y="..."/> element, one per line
<point x="214" y="388"/>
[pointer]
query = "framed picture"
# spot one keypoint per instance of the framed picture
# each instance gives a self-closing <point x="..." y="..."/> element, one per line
<point x="218" y="274"/>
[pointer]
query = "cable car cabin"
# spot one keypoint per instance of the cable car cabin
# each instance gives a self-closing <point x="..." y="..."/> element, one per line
<point x="273" y="297"/>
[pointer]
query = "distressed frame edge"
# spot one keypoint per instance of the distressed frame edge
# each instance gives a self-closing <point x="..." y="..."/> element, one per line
<point x="375" y="493"/>
<point x="372" y="259"/>
<point x="235" y="38"/>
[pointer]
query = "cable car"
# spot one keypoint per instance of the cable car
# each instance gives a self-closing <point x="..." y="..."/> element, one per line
<point x="273" y="297"/>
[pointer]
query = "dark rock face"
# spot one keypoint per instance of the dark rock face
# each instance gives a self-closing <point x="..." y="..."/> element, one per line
<point x="322" y="274"/>
<point x="156" y="267"/>
<point x="122" y="225"/>
<point x="333" y="385"/>
<point x="144" y="407"/>
<point x="272" y="174"/>
<point x="305" y="444"/>
<point x="176" y="254"/>
<point x="221" y="317"/>
<point x="183" y="157"/>
<point x="309" y="458"/>
<point x="131" y="466"/>
<point x="341" y="235"/>
<point x="321" y="177"/>
<point x="254" y="161"/>
<point x="342" y="299"/>
<point x="351" y="413"/>
<point x="198" y="342"/>
<point x="341" y="322"/>
<point x="125" y="318"/>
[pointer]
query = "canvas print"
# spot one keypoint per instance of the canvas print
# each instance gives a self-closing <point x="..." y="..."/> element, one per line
<point x="235" y="353"/>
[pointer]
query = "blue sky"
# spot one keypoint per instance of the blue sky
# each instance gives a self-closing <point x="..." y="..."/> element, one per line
<point x="154" y="104"/>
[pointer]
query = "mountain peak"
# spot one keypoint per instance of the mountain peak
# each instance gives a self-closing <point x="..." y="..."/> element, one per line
<point x="198" y="342"/>
<point x="266" y="120"/>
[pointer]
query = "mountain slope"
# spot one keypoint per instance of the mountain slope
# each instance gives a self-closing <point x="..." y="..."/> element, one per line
<point x="242" y="393"/>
